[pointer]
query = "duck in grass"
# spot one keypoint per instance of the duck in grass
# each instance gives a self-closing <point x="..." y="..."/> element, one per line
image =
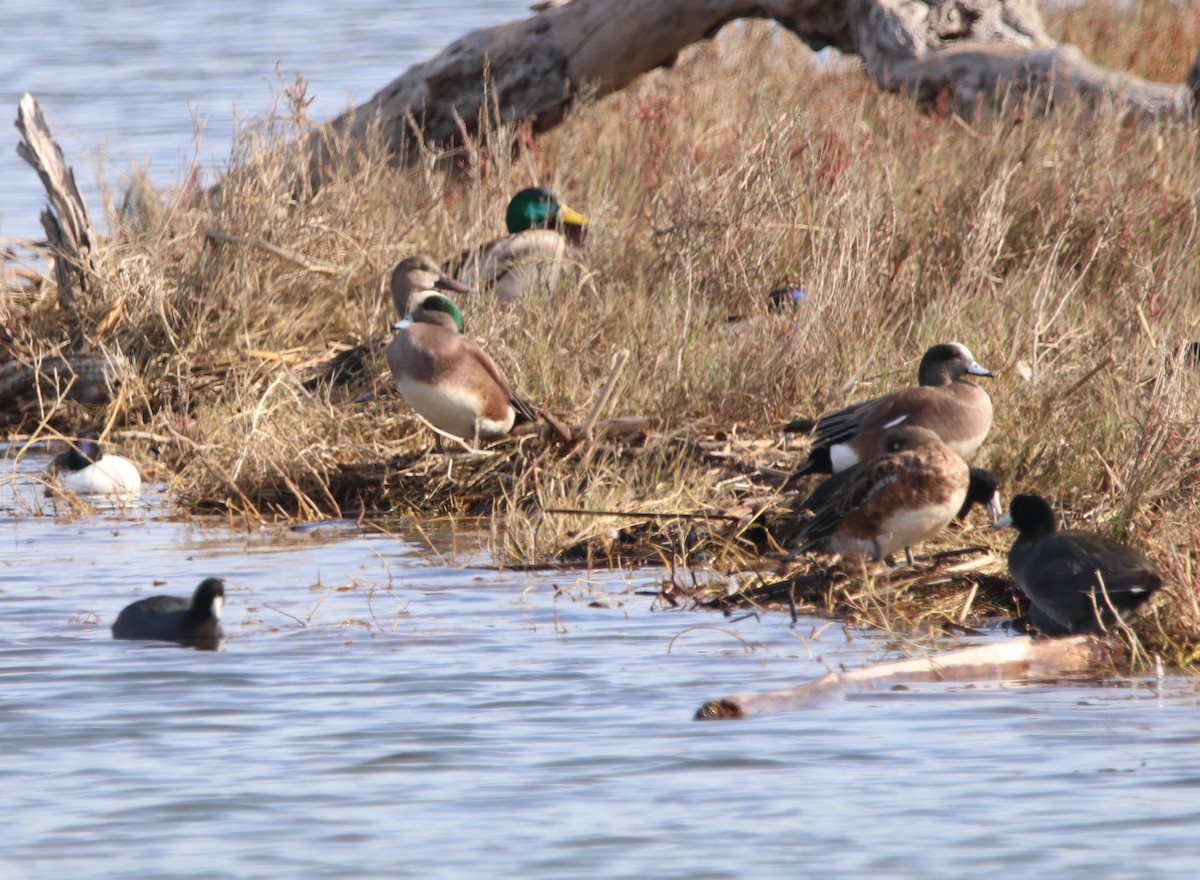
<point x="534" y="253"/>
<point x="958" y="411"/>
<point x="1076" y="581"/>
<point x="86" y="469"/>
<point x="448" y="378"/>
<point x="411" y="275"/>
<point x="170" y="619"/>
<point x="417" y="274"/>
<point x="906" y="494"/>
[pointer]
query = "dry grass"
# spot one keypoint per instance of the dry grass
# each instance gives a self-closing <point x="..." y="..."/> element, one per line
<point x="1060" y="250"/>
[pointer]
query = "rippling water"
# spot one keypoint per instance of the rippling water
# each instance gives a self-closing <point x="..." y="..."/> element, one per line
<point x="128" y="80"/>
<point x="387" y="709"/>
<point x="384" y="709"/>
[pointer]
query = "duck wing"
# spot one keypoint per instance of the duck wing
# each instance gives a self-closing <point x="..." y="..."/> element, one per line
<point x="842" y="494"/>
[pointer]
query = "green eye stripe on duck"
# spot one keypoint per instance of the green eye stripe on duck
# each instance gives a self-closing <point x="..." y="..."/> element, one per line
<point x="445" y="305"/>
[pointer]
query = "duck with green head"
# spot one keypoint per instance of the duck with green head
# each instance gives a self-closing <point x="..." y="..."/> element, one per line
<point x="533" y="254"/>
<point x="447" y="377"/>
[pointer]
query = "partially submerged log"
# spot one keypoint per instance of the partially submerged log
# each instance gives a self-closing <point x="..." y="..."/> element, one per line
<point x="36" y="387"/>
<point x="532" y="70"/>
<point x="1012" y="659"/>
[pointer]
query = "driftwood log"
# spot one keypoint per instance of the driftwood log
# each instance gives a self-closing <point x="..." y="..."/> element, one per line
<point x="532" y="70"/>
<point x="1012" y="659"/>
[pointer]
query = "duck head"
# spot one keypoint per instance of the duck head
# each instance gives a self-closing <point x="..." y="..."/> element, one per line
<point x="83" y="453"/>
<point x="537" y="208"/>
<point x="947" y="362"/>
<point x="418" y="273"/>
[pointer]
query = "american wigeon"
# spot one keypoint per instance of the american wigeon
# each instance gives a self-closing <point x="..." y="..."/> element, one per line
<point x="908" y="493"/>
<point x="86" y="469"/>
<point x="1062" y="572"/>
<point x="958" y="411"/>
<point x="171" y="619"/>
<point x="447" y="377"/>
<point x="411" y="275"/>
<point x="416" y="274"/>
<point x="533" y="254"/>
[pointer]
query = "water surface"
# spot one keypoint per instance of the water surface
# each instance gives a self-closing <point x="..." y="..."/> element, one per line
<point x="125" y="81"/>
<point x="388" y="709"/>
<point x="384" y="709"/>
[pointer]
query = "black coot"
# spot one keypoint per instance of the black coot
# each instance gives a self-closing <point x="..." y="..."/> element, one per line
<point x="171" y="619"/>
<point x="1061" y="572"/>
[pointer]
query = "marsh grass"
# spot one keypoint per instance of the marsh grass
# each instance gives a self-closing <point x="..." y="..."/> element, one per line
<point x="1060" y="249"/>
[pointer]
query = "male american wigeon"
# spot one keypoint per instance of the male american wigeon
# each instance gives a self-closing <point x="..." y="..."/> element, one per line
<point x="417" y="274"/>
<point x="958" y="411"/>
<point x="907" y="494"/>
<point x="1062" y="572"/>
<point x="534" y="253"/>
<point x="86" y="469"/>
<point x="447" y="377"/>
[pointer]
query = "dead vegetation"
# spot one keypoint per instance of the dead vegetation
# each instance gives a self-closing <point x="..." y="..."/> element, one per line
<point x="1059" y="248"/>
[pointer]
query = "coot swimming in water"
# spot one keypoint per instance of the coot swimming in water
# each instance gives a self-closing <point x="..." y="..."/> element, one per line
<point x="171" y="619"/>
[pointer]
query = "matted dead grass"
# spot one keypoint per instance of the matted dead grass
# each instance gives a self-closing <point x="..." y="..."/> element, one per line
<point x="1060" y="249"/>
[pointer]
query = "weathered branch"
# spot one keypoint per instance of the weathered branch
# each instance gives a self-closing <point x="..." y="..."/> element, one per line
<point x="532" y="69"/>
<point x="68" y="226"/>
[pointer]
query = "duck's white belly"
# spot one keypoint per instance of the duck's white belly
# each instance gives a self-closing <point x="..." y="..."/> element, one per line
<point x="904" y="528"/>
<point x="453" y="410"/>
<point x="111" y="475"/>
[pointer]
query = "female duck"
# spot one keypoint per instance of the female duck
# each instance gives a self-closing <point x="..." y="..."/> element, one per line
<point x="532" y="255"/>
<point x="87" y="470"/>
<point x="447" y="377"/>
<point x="906" y="494"/>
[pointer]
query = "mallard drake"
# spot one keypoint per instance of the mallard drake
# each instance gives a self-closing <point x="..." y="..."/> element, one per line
<point x="534" y="253"/>
<point x="1062" y="573"/>
<point x="171" y="619"/>
<point x="958" y="411"/>
<point x="906" y="494"/>
<point x="447" y="377"/>
<point x="86" y="469"/>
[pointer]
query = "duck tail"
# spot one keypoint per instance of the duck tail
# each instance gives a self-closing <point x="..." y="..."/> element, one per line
<point x="819" y="462"/>
<point x="525" y="412"/>
<point x="799" y="426"/>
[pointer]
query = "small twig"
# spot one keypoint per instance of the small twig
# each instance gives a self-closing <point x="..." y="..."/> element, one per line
<point x="747" y="645"/>
<point x="283" y="254"/>
<point x="1090" y="373"/>
<point x="618" y="364"/>
<point x="643" y="514"/>
<point x="966" y="609"/>
<point x="285" y="614"/>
